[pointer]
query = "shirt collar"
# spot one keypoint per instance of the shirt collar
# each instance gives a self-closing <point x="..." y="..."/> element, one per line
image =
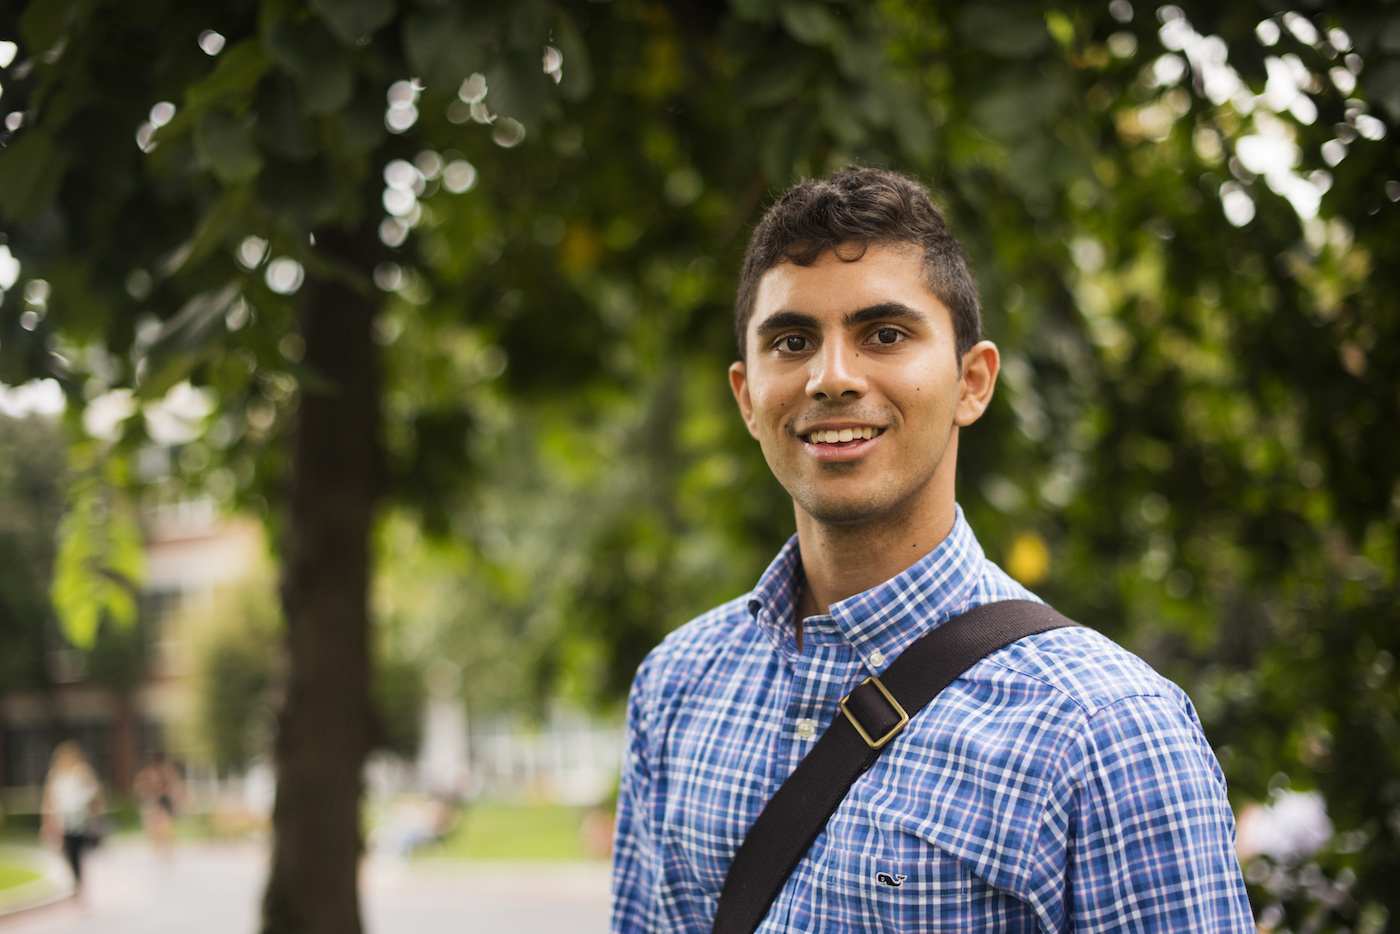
<point x="884" y="620"/>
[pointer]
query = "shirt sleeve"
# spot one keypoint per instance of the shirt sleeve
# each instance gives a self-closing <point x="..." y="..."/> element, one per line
<point x="635" y="860"/>
<point x="1149" y="834"/>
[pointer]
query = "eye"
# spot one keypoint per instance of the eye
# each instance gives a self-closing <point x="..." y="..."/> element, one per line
<point x="793" y="343"/>
<point x="887" y="336"/>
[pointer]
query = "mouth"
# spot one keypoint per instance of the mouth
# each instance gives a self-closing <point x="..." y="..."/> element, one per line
<point x="839" y="437"/>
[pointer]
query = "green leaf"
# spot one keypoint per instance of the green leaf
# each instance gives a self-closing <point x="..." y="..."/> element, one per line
<point x="860" y="58"/>
<point x="353" y="20"/>
<point x="100" y="563"/>
<point x="237" y="74"/>
<point x="321" y="67"/>
<point x="44" y="22"/>
<point x="808" y="22"/>
<point x="281" y="128"/>
<point x="31" y="170"/>
<point x="1060" y="28"/>
<point x="359" y="127"/>
<point x="518" y="87"/>
<point x="778" y="77"/>
<point x="1004" y="30"/>
<point x="225" y="146"/>
<point x="328" y="89"/>
<point x="210" y="232"/>
<point x="443" y="47"/>
<point x="184" y="340"/>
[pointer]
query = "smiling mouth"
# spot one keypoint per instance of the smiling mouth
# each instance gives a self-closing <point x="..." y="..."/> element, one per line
<point x="842" y="435"/>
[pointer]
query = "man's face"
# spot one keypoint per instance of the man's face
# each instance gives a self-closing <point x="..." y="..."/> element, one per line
<point x="852" y="386"/>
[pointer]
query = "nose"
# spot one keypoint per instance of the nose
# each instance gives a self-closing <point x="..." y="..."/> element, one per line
<point x="836" y="372"/>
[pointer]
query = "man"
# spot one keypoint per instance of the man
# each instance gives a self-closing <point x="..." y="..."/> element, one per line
<point x="1059" y="785"/>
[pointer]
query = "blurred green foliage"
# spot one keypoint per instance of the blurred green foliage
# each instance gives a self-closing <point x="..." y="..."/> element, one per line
<point x="1193" y="447"/>
<point x="238" y="673"/>
<point x="398" y="697"/>
<point x="31" y="504"/>
<point x="48" y="525"/>
<point x="237" y="664"/>
<point x="100" y="561"/>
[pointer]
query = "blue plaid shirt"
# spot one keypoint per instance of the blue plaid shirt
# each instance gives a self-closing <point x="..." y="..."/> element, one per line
<point x="1060" y="784"/>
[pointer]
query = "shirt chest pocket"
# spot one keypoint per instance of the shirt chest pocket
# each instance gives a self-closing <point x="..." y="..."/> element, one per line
<point x="897" y="882"/>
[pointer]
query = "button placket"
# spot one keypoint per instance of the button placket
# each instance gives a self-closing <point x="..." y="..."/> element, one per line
<point x="817" y="684"/>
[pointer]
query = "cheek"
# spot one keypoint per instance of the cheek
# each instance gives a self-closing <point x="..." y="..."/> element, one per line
<point x="770" y="404"/>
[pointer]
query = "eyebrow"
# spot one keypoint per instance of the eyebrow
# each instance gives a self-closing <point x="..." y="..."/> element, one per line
<point x="885" y="311"/>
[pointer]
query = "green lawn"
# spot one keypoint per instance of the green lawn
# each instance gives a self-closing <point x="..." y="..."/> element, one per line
<point x="506" y="831"/>
<point x="12" y="875"/>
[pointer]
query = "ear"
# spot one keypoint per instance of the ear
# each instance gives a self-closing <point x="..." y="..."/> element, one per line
<point x="980" y="366"/>
<point x="739" y="382"/>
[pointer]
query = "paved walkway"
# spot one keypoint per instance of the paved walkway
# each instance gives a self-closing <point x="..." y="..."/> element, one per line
<point x="215" y="888"/>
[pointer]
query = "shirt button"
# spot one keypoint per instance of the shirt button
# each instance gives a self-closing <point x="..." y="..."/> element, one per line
<point x="806" y="728"/>
<point x="877" y="658"/>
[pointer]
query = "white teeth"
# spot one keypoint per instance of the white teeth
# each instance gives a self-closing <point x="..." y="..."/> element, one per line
<point x="845" y="434"/>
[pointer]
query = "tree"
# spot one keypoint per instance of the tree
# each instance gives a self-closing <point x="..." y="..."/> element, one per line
<point x="278" y="140"/>
<point x="1153" y="460"/>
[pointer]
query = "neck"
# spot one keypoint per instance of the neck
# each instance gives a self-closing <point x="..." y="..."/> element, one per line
<point x="840" y="561"/>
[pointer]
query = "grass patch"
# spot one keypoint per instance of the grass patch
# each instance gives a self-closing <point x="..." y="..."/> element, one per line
<point x="15" y="834"/>
<point x="510" y="831"/>
<point x="12" y="875"/>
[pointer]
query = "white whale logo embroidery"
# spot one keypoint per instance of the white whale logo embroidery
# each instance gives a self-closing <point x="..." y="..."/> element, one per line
<point x="885" y="878"/>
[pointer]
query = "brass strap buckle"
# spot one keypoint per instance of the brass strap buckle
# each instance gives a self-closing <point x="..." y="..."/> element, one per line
<point x="893" y="732"/>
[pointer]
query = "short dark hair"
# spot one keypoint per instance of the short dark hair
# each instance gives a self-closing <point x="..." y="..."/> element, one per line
<point x="860" y="206"/>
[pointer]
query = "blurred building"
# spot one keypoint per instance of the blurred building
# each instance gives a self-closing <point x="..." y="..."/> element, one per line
<point x="197" y="558"/>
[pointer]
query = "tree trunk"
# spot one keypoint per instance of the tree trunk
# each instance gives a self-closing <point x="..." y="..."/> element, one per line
<point x="125" y="743"/>
<point x="326" y="722"/>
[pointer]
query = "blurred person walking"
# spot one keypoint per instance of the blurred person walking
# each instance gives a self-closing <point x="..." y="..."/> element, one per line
<point x="160" y="789"/>
<point x="73" y="806"/>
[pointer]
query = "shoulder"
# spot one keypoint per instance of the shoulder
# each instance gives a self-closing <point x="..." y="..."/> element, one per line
<point x="1078" y="664"/>
<point x="1077" y="698"/>
<point x="701" y="636"/>
<point x="1092" y="742"/>
<point x="1083" y="667"/>
<point x="1095" y="711"/>
<point x="692" y="650"/>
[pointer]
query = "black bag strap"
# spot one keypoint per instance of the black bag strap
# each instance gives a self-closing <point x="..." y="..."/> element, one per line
<point x="871" y="715"/>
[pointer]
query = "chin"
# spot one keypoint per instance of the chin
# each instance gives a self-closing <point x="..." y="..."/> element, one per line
<point x="844" y="510"/>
